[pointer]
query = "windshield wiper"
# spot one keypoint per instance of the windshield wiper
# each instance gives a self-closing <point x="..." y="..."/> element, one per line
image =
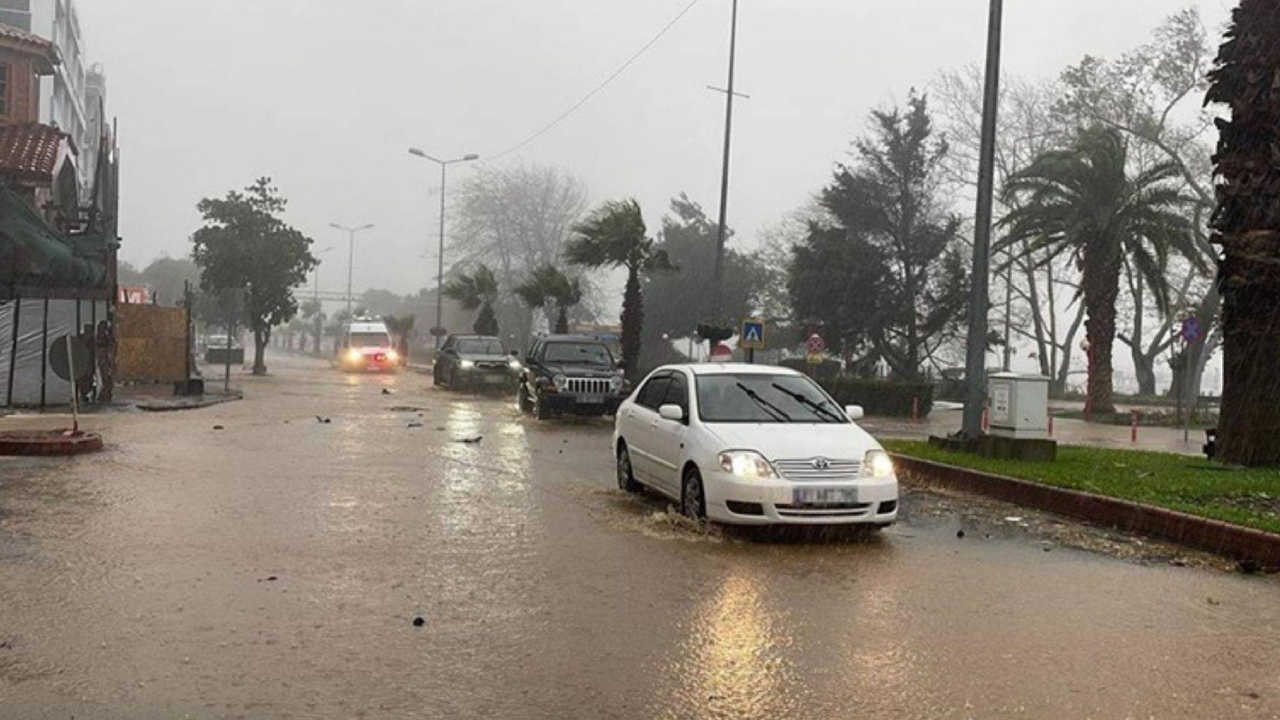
<point x="819" y="408"/>
<point x="774" y="411"/>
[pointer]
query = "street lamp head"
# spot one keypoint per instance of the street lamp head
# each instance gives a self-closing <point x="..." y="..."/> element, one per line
<point x="336" y="226"/>
<point x="469" y="158"/>
<point x="416" y="151"/>
<point x="366" y="227"/>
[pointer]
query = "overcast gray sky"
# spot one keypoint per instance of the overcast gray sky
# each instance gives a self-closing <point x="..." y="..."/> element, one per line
<point x="326" y="96"/>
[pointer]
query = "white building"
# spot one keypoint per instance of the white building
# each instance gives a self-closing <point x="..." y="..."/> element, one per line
<point x="73" y="97"/>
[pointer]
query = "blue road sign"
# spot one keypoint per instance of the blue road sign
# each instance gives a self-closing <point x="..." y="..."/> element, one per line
<point x="752" y="335"/>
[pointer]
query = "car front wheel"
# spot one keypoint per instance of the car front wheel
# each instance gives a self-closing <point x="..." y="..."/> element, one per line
<point x="540" y="409"/>
<point x="626" y="478"/>
<point x="522" y="398"/>
<point x="693" y="499"/>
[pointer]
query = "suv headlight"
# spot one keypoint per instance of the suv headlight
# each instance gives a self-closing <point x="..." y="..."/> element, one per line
<point x="467" y="364"/>
<point x="616" y="383"/>
<point x="877" y="464"/>
<point x="747" y="464"/>
<point x="561" y="382"/>
<point x="514" y="364"/>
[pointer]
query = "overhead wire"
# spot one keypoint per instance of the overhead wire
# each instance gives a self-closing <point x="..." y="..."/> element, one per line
<point x="598" y="88"/>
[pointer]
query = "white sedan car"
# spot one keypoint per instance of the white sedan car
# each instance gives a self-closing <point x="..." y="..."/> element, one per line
<point x="752" y="445"/>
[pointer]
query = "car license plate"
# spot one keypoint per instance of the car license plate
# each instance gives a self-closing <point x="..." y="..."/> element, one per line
<point x="825" y="496"/>
<point x="590" y="399"/>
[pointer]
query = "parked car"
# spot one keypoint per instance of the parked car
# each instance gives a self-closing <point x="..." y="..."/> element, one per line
<point x="218" y="352"/>
<point x="367" y="345"/>
<point x="570" y="374"/>
<point x="474" y="361"/>
<point x="752" y="445"/>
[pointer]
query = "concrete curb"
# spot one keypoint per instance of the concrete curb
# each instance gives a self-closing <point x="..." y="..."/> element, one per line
<point x="1247" y="545"/>
<point x="48" y="443"/>
<point x="177" y="404"/>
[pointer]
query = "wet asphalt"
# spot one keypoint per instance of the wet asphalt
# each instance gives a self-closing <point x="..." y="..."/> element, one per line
<point x="274" y="568"/>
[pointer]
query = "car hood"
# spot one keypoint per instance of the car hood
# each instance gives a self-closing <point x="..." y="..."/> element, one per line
<point x="779" y="441"/>
<point x="484" y="358"/>
<point x="578" y="371"/>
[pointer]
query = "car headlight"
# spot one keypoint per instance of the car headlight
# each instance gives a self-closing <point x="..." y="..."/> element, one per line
<point x="747" y="464"/>
<point x="877" y="464"/>
<point x="616" y="383"/>
<point x="514" y="364"/>
<point x="353" y="355"/>
<point x="393" y="356"/>
<point x="467" y="364"/>
<point x="561" y="382"/>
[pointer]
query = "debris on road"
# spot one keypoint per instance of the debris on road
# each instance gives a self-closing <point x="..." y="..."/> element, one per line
<point x="415" y="425"/>
<point x="386" y="391"/>
<point x="419" y="621"/>
<point x="322" y="420"/>
<point x="472" y="440"/>
<point x="218" y="427"/>
<point x="960" y="534"/>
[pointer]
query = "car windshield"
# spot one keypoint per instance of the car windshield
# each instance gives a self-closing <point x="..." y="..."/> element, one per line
<point x="373" y="339"/>
<point x="577" y="354"/>
<point x="479" y="347"/>
<point x="753" y="398"/>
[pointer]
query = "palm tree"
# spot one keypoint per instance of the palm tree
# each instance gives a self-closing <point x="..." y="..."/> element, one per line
<point x="548" y="287"/>
<point x="614" y="236"/>
<point x="313" y="313"/>
<point x="401" y="329"/>
<point x="1083" y="201"/>
<point x="477" y="290"/>
<point x="1247" y="226"/>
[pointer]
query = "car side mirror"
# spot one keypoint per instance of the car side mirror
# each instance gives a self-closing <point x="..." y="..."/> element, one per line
<point x="671" y="412"/>
<point x="854" y="412"/>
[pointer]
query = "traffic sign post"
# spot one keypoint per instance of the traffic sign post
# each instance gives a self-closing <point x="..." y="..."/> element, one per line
<point x="752" y="337"/>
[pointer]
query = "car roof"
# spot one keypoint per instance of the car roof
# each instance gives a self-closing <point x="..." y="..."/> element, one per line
<point x="368" y="326"/>
<point x="732" y="369"/>
<point x="476" y="337"/>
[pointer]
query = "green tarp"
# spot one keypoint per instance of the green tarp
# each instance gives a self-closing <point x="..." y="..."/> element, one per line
<point x="35" y="257"/>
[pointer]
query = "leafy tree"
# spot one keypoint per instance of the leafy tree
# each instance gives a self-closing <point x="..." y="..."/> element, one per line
<point x="477" y="290"/>
<point x="245" y="245"/>
<point x="884" y="277"/>
<point x="547" y="287"/>
<point x="1247" y="226"/>
<point x="1082" y="202"/>
<point x="674" y="302"/>
<point x="614" y="236"/>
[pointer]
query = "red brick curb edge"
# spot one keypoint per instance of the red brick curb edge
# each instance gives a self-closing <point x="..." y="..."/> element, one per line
<point x="52" y="443"/>
<point x="1244" y="544"/>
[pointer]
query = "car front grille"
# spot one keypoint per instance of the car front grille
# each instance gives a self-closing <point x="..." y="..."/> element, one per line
<point x="492" y="365"/>
<point x="819" y="470"/>
<point x="587" y="386"/>
<point x="824" y="510"/>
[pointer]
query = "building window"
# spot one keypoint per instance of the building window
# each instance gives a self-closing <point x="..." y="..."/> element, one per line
<point x="5" y="73"/>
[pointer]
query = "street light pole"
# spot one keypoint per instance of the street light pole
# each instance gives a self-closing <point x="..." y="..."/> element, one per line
<point x="980" y="300"/>
<point x="444" y="177"/>
<point x="351" y="256"/>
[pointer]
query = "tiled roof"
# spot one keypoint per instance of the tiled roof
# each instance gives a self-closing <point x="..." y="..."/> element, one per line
<point x="12" y="33"/>
<point x="34" y="43"/>
<point x="29" y="152"/>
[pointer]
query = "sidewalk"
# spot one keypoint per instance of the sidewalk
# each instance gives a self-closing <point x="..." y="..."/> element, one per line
<point x="1065" y="431"/>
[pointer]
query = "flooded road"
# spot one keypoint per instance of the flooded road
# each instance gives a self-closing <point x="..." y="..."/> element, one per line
<point x="274" y="569"/>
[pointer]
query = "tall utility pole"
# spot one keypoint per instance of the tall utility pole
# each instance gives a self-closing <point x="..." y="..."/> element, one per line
<point x="351" y="256"/>
<point x="444" y="167"/>
<point x="722" y="232"/>
<point x="980" y="300"/>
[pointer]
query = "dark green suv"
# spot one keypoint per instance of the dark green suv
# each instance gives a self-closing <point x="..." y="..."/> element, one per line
<point x="570" y="374"/>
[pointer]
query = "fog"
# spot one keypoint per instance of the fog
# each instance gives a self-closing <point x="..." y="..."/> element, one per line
<point x="327" y="96"/>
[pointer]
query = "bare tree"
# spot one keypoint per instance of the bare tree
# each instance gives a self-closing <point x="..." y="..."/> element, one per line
<point x="515" y="219"/>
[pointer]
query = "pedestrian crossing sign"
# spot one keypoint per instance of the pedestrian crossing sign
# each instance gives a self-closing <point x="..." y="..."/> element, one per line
<point x="752" y="337"/>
